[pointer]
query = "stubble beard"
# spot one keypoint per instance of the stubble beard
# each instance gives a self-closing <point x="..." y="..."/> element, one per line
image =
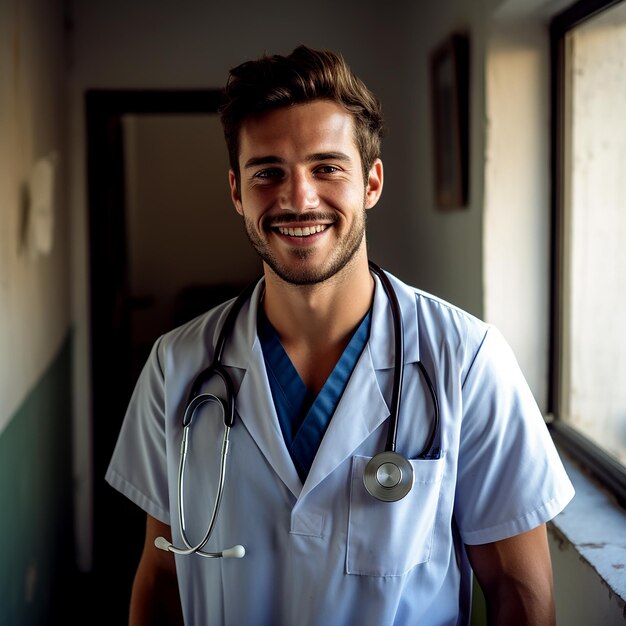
<point x="300" y="273"/>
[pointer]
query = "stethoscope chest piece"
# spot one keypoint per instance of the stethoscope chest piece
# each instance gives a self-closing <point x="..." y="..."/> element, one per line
<point x="388" y="476"/>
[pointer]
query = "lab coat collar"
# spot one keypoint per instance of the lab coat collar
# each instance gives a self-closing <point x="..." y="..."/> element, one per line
<point x="256" y="410"/>
<point x="253" y="402"/>
<point x="381" y="340"/>
<point x="237" y="352"/>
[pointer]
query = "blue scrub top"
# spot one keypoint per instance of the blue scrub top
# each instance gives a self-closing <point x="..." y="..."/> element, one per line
<point x="303" y="417"/>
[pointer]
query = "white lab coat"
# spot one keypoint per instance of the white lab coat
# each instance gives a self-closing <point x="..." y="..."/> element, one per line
<point x="327" y="553"/>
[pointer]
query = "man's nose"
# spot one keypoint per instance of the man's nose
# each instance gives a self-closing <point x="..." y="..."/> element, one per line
<point x="299" y="193"/>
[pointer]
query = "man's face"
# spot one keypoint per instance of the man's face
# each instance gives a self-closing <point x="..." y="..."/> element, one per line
<point x="302" y="193"/>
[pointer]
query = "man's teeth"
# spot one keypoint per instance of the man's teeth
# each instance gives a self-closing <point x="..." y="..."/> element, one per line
<point x="301" y="232"/>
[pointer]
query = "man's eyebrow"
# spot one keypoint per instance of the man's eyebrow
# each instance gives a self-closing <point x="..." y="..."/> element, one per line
<point x="271" y="159"/>
<point x="328" y="156"/>
<point x="263" y="160"/>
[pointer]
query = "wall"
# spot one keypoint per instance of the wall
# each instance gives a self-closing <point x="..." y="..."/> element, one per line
<point x="37" y="564"/>
<point x="35" y="340"/>
<point x="516" y="229"/>
<point x="34" y="290"/>
<point x="443" y="248"/>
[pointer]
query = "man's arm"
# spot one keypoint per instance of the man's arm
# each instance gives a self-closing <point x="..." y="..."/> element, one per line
<point x="155" y="599"/>
<point x="515" y="575"/>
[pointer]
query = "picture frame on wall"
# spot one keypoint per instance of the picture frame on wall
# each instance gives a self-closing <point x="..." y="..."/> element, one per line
<point x="449" y="78"/>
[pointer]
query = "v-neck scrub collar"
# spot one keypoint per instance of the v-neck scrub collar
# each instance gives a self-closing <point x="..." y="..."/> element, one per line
<point x="304" y="417"/>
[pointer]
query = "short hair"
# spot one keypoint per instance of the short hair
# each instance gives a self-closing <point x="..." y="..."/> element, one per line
<point x="273" y="82"/>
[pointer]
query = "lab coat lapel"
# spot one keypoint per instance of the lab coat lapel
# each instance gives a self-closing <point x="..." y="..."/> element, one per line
<point x="254" y="405"/>
<point x="361" y="410"/>
<point x="255" y="408"/>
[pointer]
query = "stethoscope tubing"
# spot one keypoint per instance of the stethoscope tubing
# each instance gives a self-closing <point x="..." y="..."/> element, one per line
<point x="380" y="463"/>
<point x="197" y="549"/>
<point x="396" y="392"/>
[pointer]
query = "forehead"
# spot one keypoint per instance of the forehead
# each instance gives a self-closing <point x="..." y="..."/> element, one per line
<point x="317" y="126"/>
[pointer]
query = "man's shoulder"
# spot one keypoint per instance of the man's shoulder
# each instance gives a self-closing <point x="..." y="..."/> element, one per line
<point x="199" y="332"/>
<point x="431" y="307"/>
<point x="444" y="330"/>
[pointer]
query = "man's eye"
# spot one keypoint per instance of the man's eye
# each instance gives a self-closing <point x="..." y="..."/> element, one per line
<point x="326" y="169"/>
<point x="269" y="173"/>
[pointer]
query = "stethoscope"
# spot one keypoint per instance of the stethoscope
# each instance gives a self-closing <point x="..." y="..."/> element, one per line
<point x="388" y="476"/>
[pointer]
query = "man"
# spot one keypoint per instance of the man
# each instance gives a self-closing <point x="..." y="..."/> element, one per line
<point x="311" y="354"/>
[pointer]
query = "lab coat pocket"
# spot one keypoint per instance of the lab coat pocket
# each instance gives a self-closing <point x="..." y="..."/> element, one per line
<point x="390" y="538"/>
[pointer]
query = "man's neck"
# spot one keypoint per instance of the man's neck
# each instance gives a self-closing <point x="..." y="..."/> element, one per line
<point x="315" y="322"/>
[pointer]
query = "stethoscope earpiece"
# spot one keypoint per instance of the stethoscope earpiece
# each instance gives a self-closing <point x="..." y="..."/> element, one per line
<point x="388" y="476"/>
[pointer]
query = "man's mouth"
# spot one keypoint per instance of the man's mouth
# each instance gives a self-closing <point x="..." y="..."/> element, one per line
<point x="301" y="231"/>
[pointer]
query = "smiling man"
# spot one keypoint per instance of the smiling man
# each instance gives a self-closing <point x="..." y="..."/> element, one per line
<point x="331" y="362"/>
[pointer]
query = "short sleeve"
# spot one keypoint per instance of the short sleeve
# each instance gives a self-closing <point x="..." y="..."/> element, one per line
<point x="138" y="466"/>
<point x="510" y="476"/>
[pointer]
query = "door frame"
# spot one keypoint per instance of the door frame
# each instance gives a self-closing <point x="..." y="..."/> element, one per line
<point x="115" y="554"/>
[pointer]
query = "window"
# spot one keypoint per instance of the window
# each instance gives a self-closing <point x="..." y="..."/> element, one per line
<point x="589" y="331"/>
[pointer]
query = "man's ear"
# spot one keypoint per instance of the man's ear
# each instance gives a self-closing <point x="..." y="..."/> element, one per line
<point x="234" y="192"/>
<point x="374" y="186"/>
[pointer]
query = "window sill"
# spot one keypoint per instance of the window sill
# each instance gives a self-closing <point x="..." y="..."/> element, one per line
<point x="594" y="525"/>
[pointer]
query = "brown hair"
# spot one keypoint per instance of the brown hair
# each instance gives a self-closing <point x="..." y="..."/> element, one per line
<point x="272" y="82"/>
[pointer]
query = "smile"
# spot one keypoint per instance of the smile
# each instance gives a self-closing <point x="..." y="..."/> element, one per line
<point x="301" y="232"/>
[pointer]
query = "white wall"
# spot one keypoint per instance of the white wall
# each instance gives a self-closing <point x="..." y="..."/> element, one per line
<point x="34" y="288"/>
<point x="516" y="229"/>
<point x="442" y="248"/>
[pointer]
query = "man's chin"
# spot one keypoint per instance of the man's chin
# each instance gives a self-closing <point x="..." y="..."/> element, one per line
<point x="305" y="271"/>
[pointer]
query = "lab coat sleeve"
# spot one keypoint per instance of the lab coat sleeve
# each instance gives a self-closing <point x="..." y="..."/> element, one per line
<point x="510" y="477"/>
<point x="138" y="467"/>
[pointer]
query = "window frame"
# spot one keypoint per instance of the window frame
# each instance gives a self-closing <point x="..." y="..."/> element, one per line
<point x="605" y="468"/>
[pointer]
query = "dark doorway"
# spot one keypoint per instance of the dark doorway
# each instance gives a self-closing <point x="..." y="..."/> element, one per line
<point x="118" y="309"/>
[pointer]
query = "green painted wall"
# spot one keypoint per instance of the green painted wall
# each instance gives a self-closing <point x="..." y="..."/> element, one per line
<point x="479" y="607"/>
<point x="36" y="516"/>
